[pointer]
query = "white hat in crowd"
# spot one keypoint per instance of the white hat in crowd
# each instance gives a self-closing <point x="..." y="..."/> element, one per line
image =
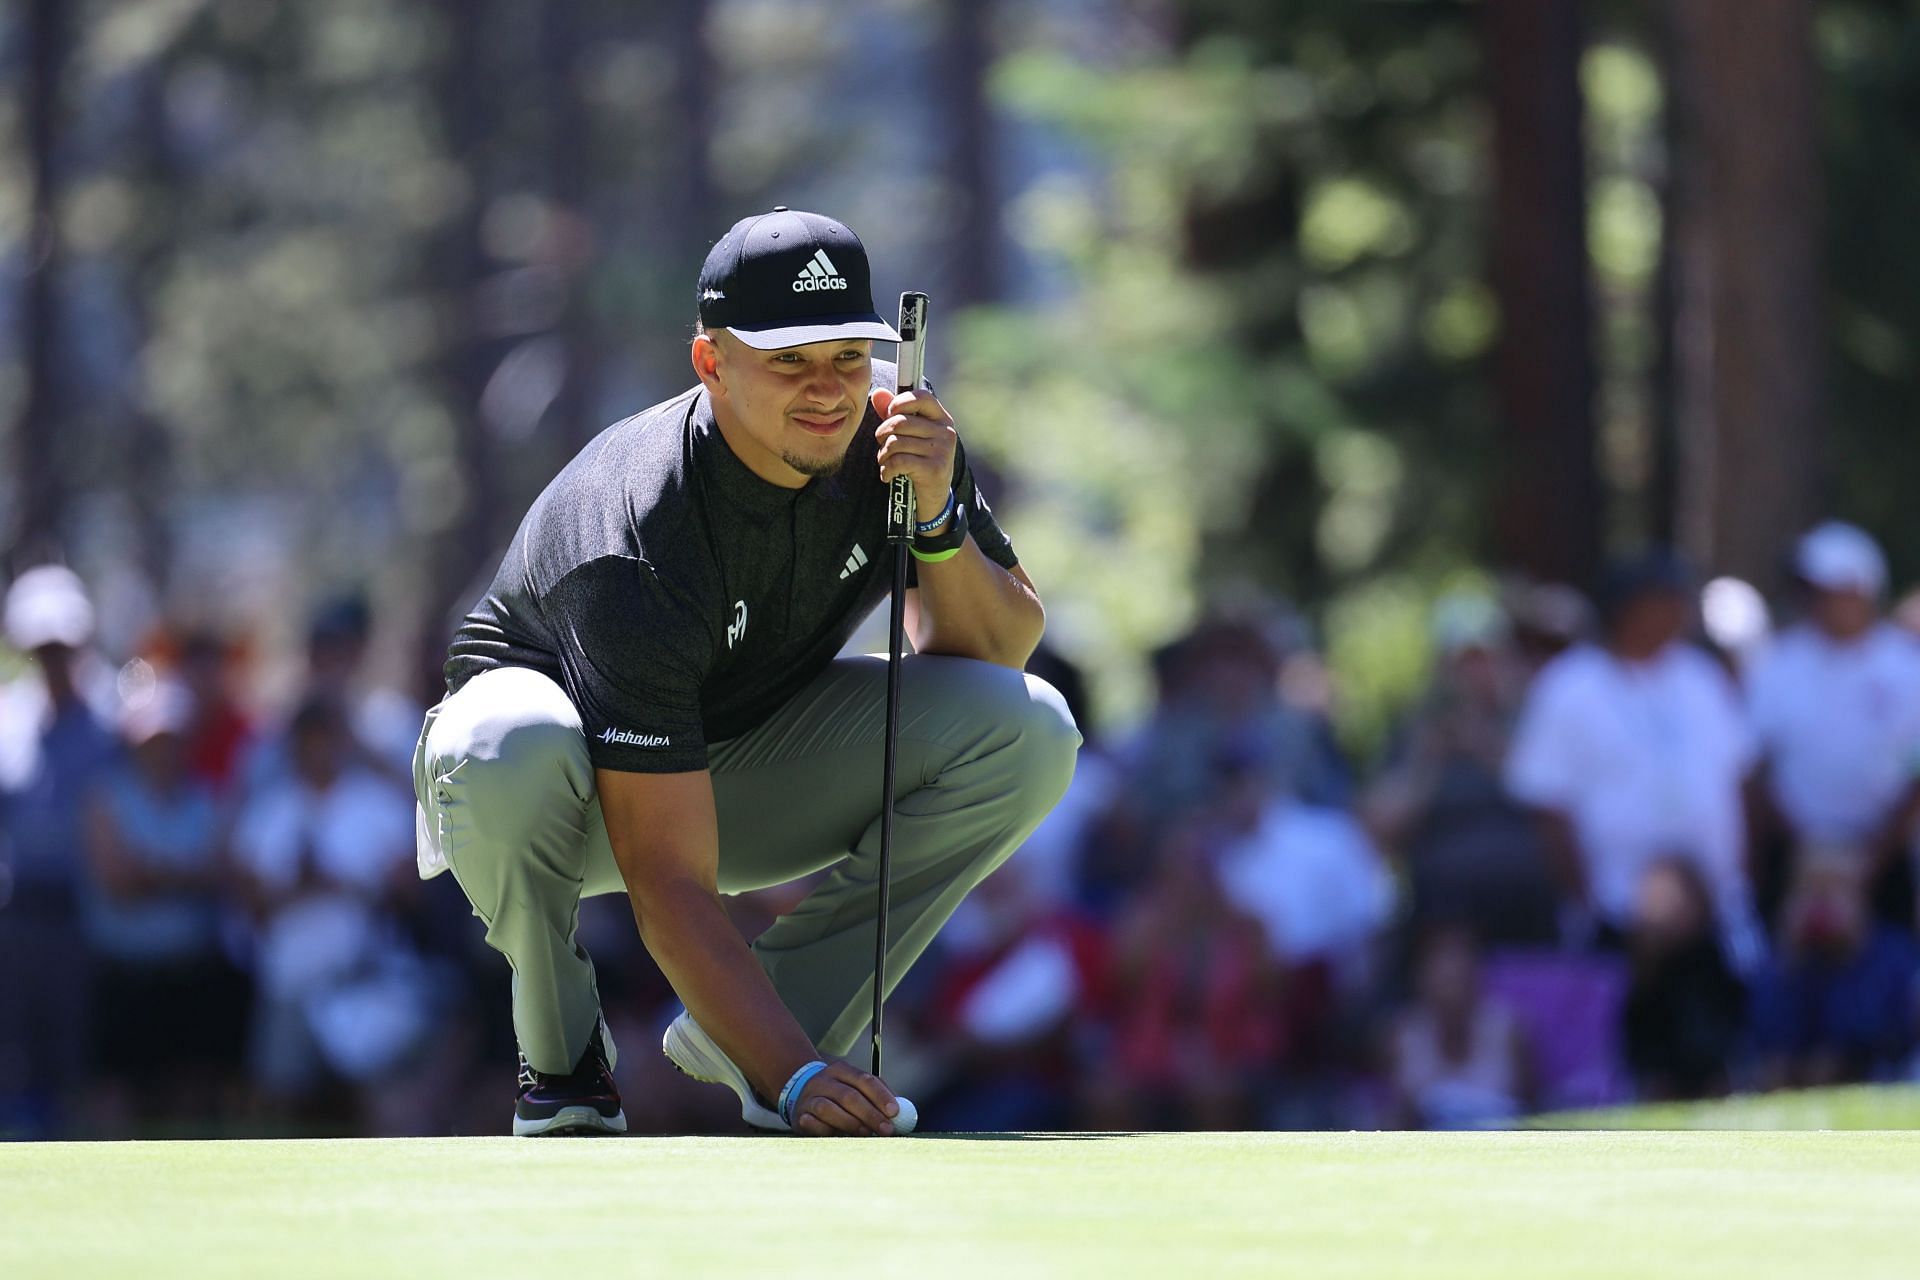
<point x="48" y="605"/>
<point x="1836" y="556"/>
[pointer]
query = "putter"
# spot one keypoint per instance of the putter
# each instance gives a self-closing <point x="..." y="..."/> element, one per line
<point x="900" y="520"/>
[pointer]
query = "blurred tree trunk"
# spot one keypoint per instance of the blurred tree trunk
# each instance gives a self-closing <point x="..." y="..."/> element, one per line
<point x="147" y="477"/>
<point x="569" y="155"/>
<point x="1663" y="497"/>
<point x="684" y="29"/>
<point x="1548" y="503"/>
<point x="39" y="487"/>
<point x="677" y="209"/>
<point x="467" y="545"/>
<point x="1747" y="307"/>
<point x="973" y="265"/>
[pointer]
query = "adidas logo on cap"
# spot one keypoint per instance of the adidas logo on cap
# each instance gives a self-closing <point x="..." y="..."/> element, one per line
<point x="819" y="273"/>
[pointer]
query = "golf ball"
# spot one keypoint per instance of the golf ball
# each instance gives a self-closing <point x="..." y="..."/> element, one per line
<point x="909" y="1117"/>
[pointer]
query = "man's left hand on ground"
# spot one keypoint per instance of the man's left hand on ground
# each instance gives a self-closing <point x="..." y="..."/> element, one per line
<point x="917" y="438"/>
<point x="844" y="1101"/>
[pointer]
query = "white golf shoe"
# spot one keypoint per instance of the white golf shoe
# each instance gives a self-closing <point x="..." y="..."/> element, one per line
<point x="695" y="1054"/>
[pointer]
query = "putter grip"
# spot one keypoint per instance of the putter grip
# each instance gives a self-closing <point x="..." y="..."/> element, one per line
<point x="913" y="363"/>
<point x="900" y="510"/>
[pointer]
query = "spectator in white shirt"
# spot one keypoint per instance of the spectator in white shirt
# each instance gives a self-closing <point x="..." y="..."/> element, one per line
<point x="1836" y="704"/>
<point x="1307" y="873"/>
<point x="1634" y="751"/>
<point x="328" y="849"/>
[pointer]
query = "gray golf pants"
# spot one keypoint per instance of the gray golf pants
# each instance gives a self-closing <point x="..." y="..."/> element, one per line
<point x="507" y="800"/>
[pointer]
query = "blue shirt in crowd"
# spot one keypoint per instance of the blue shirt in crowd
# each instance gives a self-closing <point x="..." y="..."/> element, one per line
<point x="178" y="833"/>
<point x="43" y="803"/>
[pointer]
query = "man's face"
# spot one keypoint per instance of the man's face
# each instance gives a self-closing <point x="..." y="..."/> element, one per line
<point x="1844" y="614"/>
<point x="56" y="664"/>
<point x="318" y="752"/>
<point x="789" y="414"/>
<point x="1651" y="621"/>
<point x="161" y="756"/>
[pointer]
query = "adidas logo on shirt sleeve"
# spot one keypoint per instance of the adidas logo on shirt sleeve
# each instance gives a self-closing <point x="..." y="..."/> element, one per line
<point x="855" y="562"/>
<point x="819" y="273"/>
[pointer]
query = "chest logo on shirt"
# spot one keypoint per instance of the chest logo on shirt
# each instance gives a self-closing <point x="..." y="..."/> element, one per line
<point x="855" y="562"/>
<point x="737" y="630"/>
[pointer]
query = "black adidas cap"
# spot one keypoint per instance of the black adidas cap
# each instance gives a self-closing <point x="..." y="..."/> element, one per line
<point x="786" y="278"/>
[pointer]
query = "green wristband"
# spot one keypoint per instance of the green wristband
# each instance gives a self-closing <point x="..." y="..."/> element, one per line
<point x="934" y="557"/>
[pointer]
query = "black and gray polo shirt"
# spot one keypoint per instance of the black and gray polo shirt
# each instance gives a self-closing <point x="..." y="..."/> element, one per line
<point x="680" y="599"/>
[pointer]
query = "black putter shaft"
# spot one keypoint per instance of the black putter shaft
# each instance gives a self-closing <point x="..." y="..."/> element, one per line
<point x="900" y="520"/>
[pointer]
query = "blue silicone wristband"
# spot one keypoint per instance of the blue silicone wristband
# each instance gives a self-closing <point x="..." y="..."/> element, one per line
<point x="797" y="1085"/>
<point x="928" y="526"/>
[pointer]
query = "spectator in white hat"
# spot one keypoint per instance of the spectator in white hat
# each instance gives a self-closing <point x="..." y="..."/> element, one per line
<point x="1836" y="704"/>
<point x="54" y="748"/>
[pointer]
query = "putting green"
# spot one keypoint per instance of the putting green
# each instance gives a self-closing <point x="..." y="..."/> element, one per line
<point x="1746" y="1205"/>
<point x="1852" y="1107"/>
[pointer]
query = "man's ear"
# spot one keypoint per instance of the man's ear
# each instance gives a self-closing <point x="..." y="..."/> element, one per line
<point x="705" y="354"/>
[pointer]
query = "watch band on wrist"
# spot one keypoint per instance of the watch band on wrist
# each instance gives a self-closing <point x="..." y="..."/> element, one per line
<point x="942" y="546"/>
<point x="928" y="526"/>
<point x="796" y="1085"/>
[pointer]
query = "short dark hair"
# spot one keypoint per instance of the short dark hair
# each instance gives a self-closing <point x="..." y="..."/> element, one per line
<point x="1658" y="572"/>
<point x="317" y="714"/>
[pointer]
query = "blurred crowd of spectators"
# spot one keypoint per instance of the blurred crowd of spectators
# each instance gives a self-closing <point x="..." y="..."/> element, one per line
<point x="209" y="922"/>
<point x="1642" y="845"/>
<point x="1623" y="847"/>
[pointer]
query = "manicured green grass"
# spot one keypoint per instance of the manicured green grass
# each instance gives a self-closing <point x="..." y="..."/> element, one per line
<point x="1742" y="1205"/>
<point x="1855" y="1107"/>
